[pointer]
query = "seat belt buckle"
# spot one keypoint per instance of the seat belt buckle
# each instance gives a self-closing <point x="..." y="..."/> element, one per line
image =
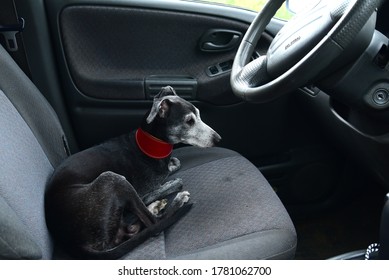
<point x="9" y="32"/>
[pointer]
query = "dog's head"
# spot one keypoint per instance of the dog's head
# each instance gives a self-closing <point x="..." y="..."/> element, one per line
<point x="180" y="120"/>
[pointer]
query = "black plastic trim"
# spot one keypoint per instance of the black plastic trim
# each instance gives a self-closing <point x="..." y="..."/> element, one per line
<point x="185" y="86"/>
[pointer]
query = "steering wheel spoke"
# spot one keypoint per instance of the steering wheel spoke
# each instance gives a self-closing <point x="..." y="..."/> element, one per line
<point x="254" y="73"/>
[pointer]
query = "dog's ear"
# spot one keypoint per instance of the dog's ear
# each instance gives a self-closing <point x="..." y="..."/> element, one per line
<point x="161" y="103"/>
<point x="166" y="91"/>
<point x="160" y="107"/>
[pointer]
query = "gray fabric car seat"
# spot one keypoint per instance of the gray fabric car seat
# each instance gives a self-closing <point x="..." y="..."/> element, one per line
<point x="236" y="214"/>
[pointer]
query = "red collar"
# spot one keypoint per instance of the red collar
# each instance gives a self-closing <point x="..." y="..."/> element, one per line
<point x="151" y="146"/>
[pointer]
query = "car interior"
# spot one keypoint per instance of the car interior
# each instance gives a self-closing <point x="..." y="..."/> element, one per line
<point x="302" y="106"/>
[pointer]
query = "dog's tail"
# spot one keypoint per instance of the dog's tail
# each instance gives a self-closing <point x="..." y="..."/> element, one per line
<point x="130" y="244"/>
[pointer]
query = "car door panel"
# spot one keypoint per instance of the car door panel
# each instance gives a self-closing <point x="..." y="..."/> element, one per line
<point x="111" y="53"/>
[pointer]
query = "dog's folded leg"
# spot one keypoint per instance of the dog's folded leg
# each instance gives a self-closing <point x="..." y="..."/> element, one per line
<point x="154" y="230"/>
<point x="163" y="191"/>
<point x="130" y="200"/>
<point x="129" y="196"/>
<point x="174" y="164"/>
<point x="137" y="207"/>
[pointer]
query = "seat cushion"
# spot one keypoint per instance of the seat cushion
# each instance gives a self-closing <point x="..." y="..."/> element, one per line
<point x="236" y="214"/>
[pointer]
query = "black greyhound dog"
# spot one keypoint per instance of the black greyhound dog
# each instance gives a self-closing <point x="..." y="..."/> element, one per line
<point x="106" y="196"/>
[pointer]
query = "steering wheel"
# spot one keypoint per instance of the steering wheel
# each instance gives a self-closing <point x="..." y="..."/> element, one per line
<point x="300" y="51"/>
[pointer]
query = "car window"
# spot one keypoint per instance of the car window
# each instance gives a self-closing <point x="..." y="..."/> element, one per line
<point x="254" y="5"/>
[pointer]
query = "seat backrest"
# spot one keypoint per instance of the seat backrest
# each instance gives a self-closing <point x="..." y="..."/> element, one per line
<point x="31" y="146"/>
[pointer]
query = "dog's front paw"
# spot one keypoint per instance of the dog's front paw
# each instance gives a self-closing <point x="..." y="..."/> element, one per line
<point x="157" y="206"/>
<point x="174" y="164"/>
<point x="181" y="198"/>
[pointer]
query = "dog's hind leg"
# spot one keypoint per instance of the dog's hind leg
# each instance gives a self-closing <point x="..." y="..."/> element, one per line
<point x="168" y="188"/>
<point x="107" y="201"/>
<point x="125" y="192"/>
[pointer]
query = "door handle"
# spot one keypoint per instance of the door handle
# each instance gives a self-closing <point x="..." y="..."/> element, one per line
<point x="220" y="40"/>
<point x="211" y="46"/>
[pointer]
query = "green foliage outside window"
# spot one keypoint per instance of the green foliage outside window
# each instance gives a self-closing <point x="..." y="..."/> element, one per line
<point x="255" y="5"/>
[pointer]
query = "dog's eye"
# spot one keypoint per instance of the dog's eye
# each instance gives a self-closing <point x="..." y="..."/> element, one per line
<point x="190" y="121"/>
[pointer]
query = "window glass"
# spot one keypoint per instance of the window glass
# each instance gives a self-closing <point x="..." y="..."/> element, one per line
<point x="255" y="5"/>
